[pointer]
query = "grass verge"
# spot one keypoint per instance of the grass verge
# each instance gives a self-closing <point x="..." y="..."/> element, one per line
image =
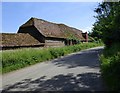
<point x="110" y="67"/>
<point x="16" y="59"/>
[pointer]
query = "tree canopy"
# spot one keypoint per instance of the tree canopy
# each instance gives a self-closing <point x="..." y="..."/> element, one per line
<point x="107" y="26"/>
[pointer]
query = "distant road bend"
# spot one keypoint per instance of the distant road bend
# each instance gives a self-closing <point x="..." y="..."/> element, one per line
<point x="76" y="72"/>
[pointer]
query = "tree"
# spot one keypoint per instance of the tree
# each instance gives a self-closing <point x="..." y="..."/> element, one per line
<point x="107" y="25"/>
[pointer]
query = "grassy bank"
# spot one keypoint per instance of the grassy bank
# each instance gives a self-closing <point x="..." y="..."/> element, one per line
<point x="16" y="59"/>
<point x="110" y="67"/>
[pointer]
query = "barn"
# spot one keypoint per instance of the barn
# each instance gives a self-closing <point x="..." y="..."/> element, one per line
<point x="18" y="40"/>
<point x="39" y="32"/>
<point x="51" y="34"/>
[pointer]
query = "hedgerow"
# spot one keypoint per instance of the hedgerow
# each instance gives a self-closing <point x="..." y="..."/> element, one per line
<point x="16" y="59"/>
<point x="110" y="67"/>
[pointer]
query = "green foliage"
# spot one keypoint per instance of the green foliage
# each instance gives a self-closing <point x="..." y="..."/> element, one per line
<point x="16" y="59"/>
<point x="107" y="26"/>
<point x="110" y="51"/>
<point x="12" y="60"/>
<point x="110" y="66"/>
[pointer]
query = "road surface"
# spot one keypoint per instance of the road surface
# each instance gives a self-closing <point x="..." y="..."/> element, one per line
<point x="76" y="72"/>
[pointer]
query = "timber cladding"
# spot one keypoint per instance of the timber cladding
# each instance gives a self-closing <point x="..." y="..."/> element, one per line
<point x="54" y="42"/>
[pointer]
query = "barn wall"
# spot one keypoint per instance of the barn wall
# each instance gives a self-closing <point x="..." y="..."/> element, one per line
<point x="18" y="47"/>
<point x="54" y="42"/>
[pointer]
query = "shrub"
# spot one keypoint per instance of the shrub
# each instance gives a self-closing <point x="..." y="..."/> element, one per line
<point x="110" y="67"/>
<point x="16" y="59"/>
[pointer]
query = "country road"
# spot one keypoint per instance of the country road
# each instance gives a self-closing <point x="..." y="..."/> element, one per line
<point x="76" y="72"/>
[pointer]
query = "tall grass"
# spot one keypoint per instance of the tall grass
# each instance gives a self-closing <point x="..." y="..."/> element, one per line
<point x="16" y="59"/>
<point x="110" y="67"/>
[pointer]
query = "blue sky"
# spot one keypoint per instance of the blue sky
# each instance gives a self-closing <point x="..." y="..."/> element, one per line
<point x="74" y="14"/>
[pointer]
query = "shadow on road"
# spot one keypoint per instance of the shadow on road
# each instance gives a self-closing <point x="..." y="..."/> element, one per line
<point x="69" y="82"/>
<point x="89" y="58"/>
<point x="87" y="81"/>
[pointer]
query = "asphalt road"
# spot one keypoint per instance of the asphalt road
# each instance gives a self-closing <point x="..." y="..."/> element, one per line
<point x="76" y="72"/>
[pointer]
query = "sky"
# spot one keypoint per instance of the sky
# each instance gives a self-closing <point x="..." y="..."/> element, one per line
<point x="75" y="14"/>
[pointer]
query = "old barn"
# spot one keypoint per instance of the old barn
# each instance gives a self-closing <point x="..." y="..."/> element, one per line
<point x="38" y="32"/>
